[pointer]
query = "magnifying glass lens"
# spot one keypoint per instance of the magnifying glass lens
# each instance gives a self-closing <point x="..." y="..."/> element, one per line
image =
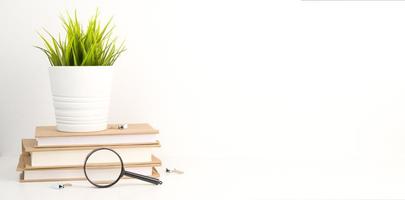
<point x="103" y="168"/>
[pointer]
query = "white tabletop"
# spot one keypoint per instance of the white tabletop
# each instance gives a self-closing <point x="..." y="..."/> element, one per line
<point x="234" y="178"/>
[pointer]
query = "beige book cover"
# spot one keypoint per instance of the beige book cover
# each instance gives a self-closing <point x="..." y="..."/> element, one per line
<point x="24" y="163"/>
<point x="68" y="156"/>
<point x="29" y="145"/>
<point x="155" y="174"/>
<point x="24" y="167"/>
<point x="133" y="129"/>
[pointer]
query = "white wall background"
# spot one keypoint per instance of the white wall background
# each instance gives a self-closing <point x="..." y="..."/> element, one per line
<point x="286" y="79"/>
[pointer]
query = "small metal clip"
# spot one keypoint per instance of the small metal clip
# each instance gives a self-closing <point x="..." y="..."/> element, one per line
<point x="119" y="126"/>
<point x="60" y="186"/>
<point x="174" y="170"/>
<point x="122" y="126"/>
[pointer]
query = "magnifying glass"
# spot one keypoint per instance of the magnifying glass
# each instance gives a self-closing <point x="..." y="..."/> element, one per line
<point x="103" y="175"/>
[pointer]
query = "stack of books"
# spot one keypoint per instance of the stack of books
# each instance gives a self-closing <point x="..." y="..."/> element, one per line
<point x="59" y="156"/>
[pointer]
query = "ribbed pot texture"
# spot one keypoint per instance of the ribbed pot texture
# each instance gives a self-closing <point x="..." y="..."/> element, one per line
<point x="81" y="97"/>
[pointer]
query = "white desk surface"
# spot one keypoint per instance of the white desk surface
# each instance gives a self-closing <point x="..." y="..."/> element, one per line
<point x="234" y="178"/>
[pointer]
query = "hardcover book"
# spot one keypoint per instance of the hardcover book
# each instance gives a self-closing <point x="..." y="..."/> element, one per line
<point x="62" y="156"/>
<point x="48" y="136"/>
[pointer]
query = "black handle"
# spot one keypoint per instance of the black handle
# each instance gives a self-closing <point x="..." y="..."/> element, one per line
<point x="143" y="177"/>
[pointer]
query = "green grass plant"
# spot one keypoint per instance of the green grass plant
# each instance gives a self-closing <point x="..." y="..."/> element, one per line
<point x="93" y="46"/>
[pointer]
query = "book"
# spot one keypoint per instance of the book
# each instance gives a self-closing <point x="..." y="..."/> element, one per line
<point x="24" y="163"/>
<point x="31" y="174"/>
<point x="22" y="179"/>
<point x="48" y="136"/>
<point x="65" y="156"/>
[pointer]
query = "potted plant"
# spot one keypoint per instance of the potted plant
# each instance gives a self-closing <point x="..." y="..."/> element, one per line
<point x="81" y="73"/>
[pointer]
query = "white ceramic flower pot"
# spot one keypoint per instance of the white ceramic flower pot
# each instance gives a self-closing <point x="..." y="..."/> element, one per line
<point x="81" y="97"/>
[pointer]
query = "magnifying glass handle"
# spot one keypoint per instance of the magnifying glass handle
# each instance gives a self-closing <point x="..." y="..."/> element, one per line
<point x="143" y="178"/>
